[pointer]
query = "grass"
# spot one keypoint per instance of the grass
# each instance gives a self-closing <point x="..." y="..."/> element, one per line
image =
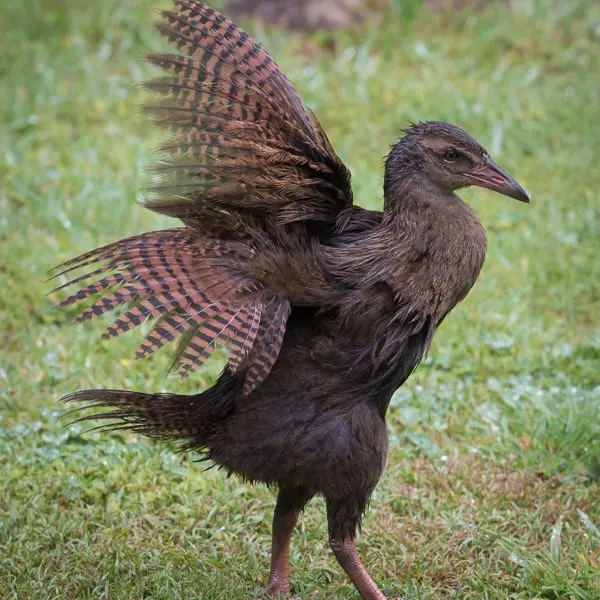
<point x="493" y="484"/>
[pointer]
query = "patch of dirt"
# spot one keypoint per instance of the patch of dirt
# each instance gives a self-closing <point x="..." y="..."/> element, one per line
<point x="330" y="14"/>
<point x="306" y="14"/>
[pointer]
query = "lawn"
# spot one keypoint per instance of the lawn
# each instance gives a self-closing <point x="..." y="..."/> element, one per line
<point x="492" y="489"/>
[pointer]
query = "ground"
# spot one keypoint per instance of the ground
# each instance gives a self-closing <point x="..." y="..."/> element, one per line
<point x="493" y="483"/>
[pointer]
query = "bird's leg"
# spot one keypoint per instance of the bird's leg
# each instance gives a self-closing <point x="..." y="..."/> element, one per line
<point x="345" y="552"/>
<point x="342" y="525"/>
<point x="290" y="503"/>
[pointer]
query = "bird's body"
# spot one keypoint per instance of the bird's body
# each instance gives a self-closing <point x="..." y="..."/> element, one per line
<point x="326" y="308"/>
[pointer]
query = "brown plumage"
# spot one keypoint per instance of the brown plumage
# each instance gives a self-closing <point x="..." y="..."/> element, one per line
<point x="325" y="308"/>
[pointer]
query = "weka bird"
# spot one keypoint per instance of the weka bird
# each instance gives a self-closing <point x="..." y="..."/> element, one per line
<point x="325" y="308"/>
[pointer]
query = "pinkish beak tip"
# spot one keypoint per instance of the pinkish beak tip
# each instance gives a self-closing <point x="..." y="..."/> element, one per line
<point x="492" y="177"/>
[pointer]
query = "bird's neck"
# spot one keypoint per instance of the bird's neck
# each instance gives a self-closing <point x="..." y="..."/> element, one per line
<point x="415" y="192"/>
<point x="443" y="238"/>
<point x="439" y="233"/>
<point x="419" y="213"/>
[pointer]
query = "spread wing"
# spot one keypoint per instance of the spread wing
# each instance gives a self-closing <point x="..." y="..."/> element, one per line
<point x="257" y="185"/>
<point x="242" y="141"/>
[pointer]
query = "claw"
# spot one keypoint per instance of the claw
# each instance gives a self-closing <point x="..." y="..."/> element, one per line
<point x="275" y="589"/>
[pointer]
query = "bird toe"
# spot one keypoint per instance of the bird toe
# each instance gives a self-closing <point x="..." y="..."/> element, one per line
<point x="275" y="590"/>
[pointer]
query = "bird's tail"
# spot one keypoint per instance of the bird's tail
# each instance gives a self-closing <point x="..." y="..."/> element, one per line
<point x="188" y="420"/>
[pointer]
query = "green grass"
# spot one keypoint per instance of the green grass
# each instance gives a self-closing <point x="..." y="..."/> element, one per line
<point x="493" y="484"/>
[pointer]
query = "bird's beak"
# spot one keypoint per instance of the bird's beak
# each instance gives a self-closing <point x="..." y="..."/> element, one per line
<point x="491" y="176"/>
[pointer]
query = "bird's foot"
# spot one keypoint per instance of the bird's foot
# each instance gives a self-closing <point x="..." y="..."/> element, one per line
<point x="275" y="589"/>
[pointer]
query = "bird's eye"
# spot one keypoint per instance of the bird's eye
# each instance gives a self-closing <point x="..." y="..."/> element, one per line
<point x="450" y="155"/>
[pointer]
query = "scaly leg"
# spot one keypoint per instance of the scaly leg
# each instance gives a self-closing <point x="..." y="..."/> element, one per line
<point x="342" y="525"/>
<point x="290" y="503"/>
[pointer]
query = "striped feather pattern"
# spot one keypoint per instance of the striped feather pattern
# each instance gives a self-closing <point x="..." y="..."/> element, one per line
<point x="242" y="139"/>
<point x="192" y="285"/>
<point x="270" y="333"/>
<point x="245" y="163"/>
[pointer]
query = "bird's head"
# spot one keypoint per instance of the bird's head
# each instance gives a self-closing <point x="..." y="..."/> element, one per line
<point x="442" y="158"/>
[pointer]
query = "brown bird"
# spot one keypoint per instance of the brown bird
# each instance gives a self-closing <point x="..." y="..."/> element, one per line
<point x="325" y="308"/>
